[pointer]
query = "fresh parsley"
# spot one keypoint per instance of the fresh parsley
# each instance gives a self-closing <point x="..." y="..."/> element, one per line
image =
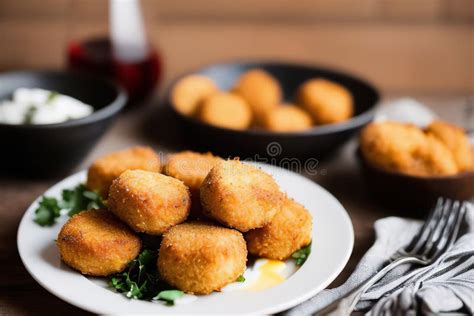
<point x="72" y="200"/>
<point x="141" y="280"/>
<point x="80" y="199"/>
<point x="241" y="279"/>
<point x="47" y="211"/>
<point x="301" y="255"/>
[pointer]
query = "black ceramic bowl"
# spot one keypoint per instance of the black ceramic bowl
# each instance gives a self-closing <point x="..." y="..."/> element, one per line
<point x="316" y="142"/>
<point x="54" y="149"/>
<point x="414" y="194"/>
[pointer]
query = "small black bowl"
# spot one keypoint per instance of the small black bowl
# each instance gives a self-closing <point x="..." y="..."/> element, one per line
<point x="414" y="194"/>
<point x="54" y="149"/>
<point x="316" y="142"/>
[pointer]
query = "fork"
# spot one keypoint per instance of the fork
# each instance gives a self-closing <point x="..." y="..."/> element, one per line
<point x="434" y="238"/>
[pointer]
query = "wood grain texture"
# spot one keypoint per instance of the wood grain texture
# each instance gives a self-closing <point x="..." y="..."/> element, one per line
<point x="421" y="57"/>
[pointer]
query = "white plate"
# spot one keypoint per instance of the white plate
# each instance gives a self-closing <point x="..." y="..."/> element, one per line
<point x="333" y="238"/>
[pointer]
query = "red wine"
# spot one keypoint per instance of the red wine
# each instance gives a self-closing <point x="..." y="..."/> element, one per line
<point x="96" y="56"/>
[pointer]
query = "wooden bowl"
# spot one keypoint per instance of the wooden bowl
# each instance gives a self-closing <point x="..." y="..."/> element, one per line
<point x="414" y="193"/>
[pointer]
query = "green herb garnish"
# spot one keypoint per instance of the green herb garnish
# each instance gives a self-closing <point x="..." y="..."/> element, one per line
<point x="30" y="113"/>
<point x="47" y="211"/>
<point x="52" y="95"/>
<point x="141" y="280"/>
<point x="73" y="200"/>
<point x="301" y="255"/>
<point x="79" y="199"/>
<point x="241" y="279"/>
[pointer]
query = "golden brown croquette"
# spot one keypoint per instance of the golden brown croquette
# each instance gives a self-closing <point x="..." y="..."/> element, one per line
<point x="288" y="231"/>
<point x="261" y="91"/>
<point x="108" y="167"/>
<point x="226" y="110"/>
<point x="287" y="118"/>
<point x="405" y="148"/>
<point x="149" y="202"/>
<point x="456" y="140"/>
<point x="191" y="168"/>
<point x="188" y="93"/>
<point x="200" y="258"/>
<point x="328" y="102"/>
<point x="96" y="243"/>
<point x="240" y="196"/>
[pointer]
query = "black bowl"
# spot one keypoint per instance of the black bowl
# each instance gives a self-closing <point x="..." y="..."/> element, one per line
<point x="53" y="149"/>
<point x="316" y="142"/>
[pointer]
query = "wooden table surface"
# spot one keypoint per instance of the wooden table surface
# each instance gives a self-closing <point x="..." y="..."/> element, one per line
<point x="20" y="294"/>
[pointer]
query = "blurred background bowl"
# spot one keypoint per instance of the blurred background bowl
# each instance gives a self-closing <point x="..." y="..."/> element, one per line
<point x="316" y="142"/>
<point x="54" y="149"/>
<point x="414" y="194"/>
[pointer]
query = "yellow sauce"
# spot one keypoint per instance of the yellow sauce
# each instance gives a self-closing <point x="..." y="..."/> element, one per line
<point x="270" y="274"/>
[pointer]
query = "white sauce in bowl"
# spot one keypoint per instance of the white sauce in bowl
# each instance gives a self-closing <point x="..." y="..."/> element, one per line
<point x="39" y="106"/>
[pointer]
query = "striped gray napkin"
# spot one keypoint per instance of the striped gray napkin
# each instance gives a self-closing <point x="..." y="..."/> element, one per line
<point x="445" y="286"/>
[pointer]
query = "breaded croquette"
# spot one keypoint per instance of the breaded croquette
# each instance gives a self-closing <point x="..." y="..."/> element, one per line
<point x="288" y="231"/>
<point x="260" y="90"/>
<point x="96" y="243"/>
<point x="149" y="202"/>
<point x="405" y="148"/>
<point x="456" y="140"/>
<point x="191" y="168"/>
<point x="287" y="118"/>
<point x="240" y="196"/>
<point x="225" y="110"/>
<point x="201" y="258"/>
<point x="108" y="167"/>
<point x="188" y="93"/>
<point x="328" y="102"/>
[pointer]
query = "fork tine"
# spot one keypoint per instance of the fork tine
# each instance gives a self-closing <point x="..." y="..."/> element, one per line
<point x="442" y="234"/>
<point x="438" y="228"/>
<point x="451" y="234"/>
<point x="424" y="230"/>
<point x="428" y="227"/>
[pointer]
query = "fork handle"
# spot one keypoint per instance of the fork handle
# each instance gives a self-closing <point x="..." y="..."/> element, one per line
<point x="345" y="305"/>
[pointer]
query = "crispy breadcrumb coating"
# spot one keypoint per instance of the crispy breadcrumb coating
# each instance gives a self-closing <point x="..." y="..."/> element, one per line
<point x="240" y="196"/>
<point x="96" y="243"/>
<point x="226" y="110"/>
<point x="405" y="148"/>
<point x="328" y="102"/>
<point x="189" y="92"/>
<point x="200" y="258"/>
<point x="106" y="168"/>
<point x="456" y="140"/>
<point x="149" y="202"/>
<point x="287" y="118"/>
<point x="261" y="91"/>
<point x="288" y="231"/>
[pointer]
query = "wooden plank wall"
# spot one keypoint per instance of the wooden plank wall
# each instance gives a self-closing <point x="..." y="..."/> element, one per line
<point x="422" y="46"/>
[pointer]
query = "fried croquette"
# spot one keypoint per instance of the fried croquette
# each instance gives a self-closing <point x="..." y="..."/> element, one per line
<point x="201" y="258"/>
<point x="191" y="168"/>
<point x="288" y="231"/>
<point x="95" y="242"/>
<point x="190" y="91"/>
<point x="456" y="140"/>
<point x="106" y="168"/>
<point x="149" y="202"/>
<point x="226" y="110"/>
<point x="240" y="196"/>
<point x="287" y="118"/>
<point x="328" y="102"/>
<point x="406" y="149"/>
<point x="261" y="91"/>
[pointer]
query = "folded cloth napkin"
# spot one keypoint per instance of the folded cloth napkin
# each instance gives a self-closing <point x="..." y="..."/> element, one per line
<point x="447" y="285"/>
